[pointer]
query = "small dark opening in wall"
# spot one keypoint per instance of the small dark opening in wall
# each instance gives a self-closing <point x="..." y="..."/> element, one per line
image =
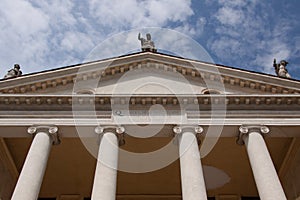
<point x="84" y="92"/>
<point x="211" y="91"/>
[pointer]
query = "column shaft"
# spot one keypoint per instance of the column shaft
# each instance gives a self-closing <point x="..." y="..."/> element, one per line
<point x="192" y="180"/>
<point x="105" y="180"/>
<point x="31" y="177"/>
<point x="266" y="178"/>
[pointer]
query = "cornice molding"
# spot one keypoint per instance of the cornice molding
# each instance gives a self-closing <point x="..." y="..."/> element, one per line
<point x="207" y="72"/>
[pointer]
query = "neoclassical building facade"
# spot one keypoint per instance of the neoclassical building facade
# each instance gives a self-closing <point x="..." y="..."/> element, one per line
<point x="149" y="126"/>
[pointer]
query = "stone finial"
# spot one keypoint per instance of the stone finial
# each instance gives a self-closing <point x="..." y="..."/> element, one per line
<point x="280" y="69"/>
<point x="147" y="44"/>
<point x="15" y="72"/>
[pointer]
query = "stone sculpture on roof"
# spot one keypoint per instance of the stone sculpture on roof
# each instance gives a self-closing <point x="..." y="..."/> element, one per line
<point x="147" y="44"/>
<point x="15" y="72"/>
<point x="280" y="68"/>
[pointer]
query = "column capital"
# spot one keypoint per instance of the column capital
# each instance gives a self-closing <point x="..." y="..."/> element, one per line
<point x="196" y="129"/>
<point x="51" y="130"/>
<point x="247" y="129"/>
<point x="119" y="131"/>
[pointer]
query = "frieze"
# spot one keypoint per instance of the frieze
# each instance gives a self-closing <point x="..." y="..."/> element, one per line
<point x="150" y="100"/>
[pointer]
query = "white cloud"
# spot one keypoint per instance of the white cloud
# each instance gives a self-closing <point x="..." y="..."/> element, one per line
<point x="193" y="29"/>
<point x="62" y="32"/>
<point x="297" y="46"/>
<point x="60" y="12"/>
<point x="135" y="13"/>
<point x="230" y="16"/>
<point x="233" y="3"/>
<point x="225" y="46"/>
<point x="22" y="18"/>
<point x="42" y="34"/>
<point x="23" y="32"/>
<point x="245" y="36"/>
<point x="274" y="49"/>
<point x="76" y="41"/>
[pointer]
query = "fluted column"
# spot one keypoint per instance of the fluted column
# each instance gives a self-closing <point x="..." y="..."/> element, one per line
<point x="265" y="175"/>
<point x="192" y="179"/>
<point x="105" y="178"/>
<point x="31" y="177"/>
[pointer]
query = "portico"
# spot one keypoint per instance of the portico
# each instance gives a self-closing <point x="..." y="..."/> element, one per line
<point x="105" y="177"/>
<point x="210" y="145"/>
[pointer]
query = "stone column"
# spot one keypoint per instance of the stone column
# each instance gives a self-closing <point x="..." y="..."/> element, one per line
<point x="105" y="179"/>
<point x="265" y="175"/>
<point x="192" y="179"/>
<point x="31" y="177"/>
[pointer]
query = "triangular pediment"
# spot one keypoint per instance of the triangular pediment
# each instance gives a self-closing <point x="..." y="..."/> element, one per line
<point x="148" y="73"/>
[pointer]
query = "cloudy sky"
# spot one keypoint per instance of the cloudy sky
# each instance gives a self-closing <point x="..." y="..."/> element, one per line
<point x="246" y="34"/>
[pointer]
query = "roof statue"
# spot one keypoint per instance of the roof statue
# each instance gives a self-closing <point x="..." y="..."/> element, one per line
<point x="15" y="72"/>
<point x="147" y="44"/>
<point x="280" y="69"/>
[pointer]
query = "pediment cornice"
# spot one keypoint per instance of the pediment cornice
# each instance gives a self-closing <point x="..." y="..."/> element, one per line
<point x="111" y="67"/>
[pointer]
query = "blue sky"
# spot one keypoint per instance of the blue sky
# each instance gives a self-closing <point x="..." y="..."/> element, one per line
<point x="245" y="34"/>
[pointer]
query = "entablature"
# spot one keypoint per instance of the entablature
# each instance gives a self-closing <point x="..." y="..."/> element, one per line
<point x="194" y="107"/>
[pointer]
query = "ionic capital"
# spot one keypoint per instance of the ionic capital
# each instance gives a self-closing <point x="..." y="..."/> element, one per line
<point x="248" y="129"/>
<point x="119" y="131"/>
<point x="196" y="129"/>
<point x="52" y="131"/>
